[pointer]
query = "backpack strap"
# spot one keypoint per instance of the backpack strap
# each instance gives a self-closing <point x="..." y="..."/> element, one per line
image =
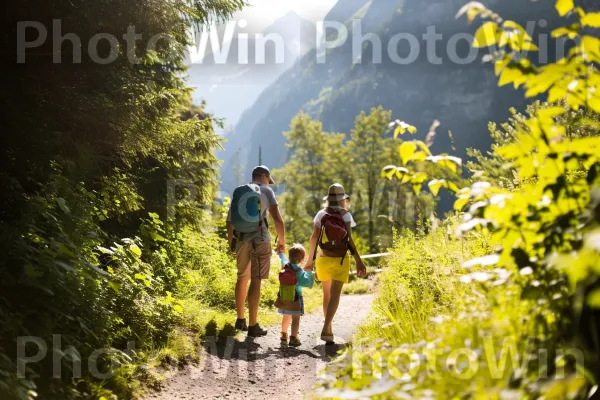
<point x="315" y="253"/>
<point x="264" y="220"/>
<point x="319" y="242"/>
<point x="254" y="187"/>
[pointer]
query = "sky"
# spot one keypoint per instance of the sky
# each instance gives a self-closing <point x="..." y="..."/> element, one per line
<point x="263" y="13"/>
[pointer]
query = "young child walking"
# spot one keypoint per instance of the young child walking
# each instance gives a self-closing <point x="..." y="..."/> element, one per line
<point x="297" y="256"/>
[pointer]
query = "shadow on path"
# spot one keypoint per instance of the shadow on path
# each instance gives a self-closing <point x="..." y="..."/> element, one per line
<point x="235" y="367"/>
<point x="227" y="347"/>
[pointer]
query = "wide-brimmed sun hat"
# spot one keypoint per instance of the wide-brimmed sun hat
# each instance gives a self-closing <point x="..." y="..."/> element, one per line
<point x="336" y="193"/>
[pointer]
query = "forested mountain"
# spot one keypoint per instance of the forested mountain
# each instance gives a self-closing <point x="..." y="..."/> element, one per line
<point x="463" y="97"/>
<point x="231" y="87"/>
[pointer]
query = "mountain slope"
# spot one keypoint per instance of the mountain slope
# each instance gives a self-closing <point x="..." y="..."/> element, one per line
<point x="230" y="88"/>
<point x="463" y="97"/>
<point x="275" y="107"/>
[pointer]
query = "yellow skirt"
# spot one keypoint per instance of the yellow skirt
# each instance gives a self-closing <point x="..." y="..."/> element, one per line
<point x="331" y="268"/>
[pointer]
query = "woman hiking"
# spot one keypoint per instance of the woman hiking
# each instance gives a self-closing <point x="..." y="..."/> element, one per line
<point x="333" y="234"/>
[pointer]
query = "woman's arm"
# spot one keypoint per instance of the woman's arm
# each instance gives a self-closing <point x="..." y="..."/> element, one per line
<point x="312" y="248"/>
<point x="361" y="270"/>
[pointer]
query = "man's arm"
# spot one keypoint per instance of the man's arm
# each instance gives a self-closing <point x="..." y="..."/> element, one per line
<point x="279" y="227"/>
<point x="313" y="247"/>
<point x="229" y="232"/>
<point x="229" y="228"/>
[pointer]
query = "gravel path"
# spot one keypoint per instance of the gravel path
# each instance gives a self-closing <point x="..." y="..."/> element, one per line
<point x="244" y="368"/>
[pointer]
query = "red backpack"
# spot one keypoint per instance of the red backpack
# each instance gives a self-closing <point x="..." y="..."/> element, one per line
<point x="287" y="276"/>
<point x="333" y="230"/>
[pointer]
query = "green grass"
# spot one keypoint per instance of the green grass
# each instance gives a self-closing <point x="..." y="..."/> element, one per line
<point x="418" y="283"/>
<point x="358" y="286"/>
<point x="425" y="315"/>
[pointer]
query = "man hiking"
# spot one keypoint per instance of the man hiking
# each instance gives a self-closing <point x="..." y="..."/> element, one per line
<point x="249" y="238"/>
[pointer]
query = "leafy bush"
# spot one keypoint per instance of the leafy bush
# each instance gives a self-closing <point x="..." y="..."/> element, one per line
<point x="439" y="329"/>
<point x="534" y="298"/>
<point x="90" y="232"/>
<point x="493" y="168"/>
<point x="418" y="284"/>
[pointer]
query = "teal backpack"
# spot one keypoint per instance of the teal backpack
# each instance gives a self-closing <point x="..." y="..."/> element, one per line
<point x="246" y="209"/>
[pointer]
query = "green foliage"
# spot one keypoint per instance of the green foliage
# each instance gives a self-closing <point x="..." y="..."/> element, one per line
<point x="210" y="273"/>
<point x="546" y="224"/>
<point x="532" y="208"/>
<point x="574" y="78"/>
<point x="92" y="237"/>
<point x="319" y="159"/>
<point x="418" y="165"/>
<point x="492" y="168"/>
<point x="357" y="287"/>
<point x="365" y="144"/>
<point x="419" y="283"/>
<point x="440" y="329"/>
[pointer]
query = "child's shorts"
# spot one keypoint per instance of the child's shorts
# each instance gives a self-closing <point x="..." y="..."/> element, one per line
<point x="301" y="312"/>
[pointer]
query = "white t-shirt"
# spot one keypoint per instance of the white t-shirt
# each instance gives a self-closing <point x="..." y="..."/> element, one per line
<point x="347" y="218"/>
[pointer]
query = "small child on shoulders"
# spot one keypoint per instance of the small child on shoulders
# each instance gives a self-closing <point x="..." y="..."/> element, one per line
<point x="297" y="255"/>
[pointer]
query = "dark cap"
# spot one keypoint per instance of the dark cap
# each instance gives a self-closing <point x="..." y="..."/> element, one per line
<point x="263" y="170"/>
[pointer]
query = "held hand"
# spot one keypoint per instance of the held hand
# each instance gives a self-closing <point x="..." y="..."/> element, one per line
<point x="308" y="267"/>
<point x="280" y="248"/>
<point x="361" y="270"/>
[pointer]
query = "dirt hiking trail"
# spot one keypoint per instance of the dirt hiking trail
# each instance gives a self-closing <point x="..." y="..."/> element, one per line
<point x="246" y="368"/>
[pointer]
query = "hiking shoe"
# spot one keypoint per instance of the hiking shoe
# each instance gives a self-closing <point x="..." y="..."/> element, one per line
<point x="295" y="342"/>
<point x="256" y="331"/>
<point x="240" y="324"/>
<point x="284" y="339"/>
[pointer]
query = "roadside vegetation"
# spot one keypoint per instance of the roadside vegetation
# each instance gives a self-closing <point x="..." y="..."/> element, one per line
<point x="108" y="178"/>
<point x="501" y="300"/>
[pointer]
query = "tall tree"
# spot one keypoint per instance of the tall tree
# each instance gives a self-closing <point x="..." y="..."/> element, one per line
<point x="366" y="146"/>
<point x="317" y="160"/>
<point x="86" y="159"/>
